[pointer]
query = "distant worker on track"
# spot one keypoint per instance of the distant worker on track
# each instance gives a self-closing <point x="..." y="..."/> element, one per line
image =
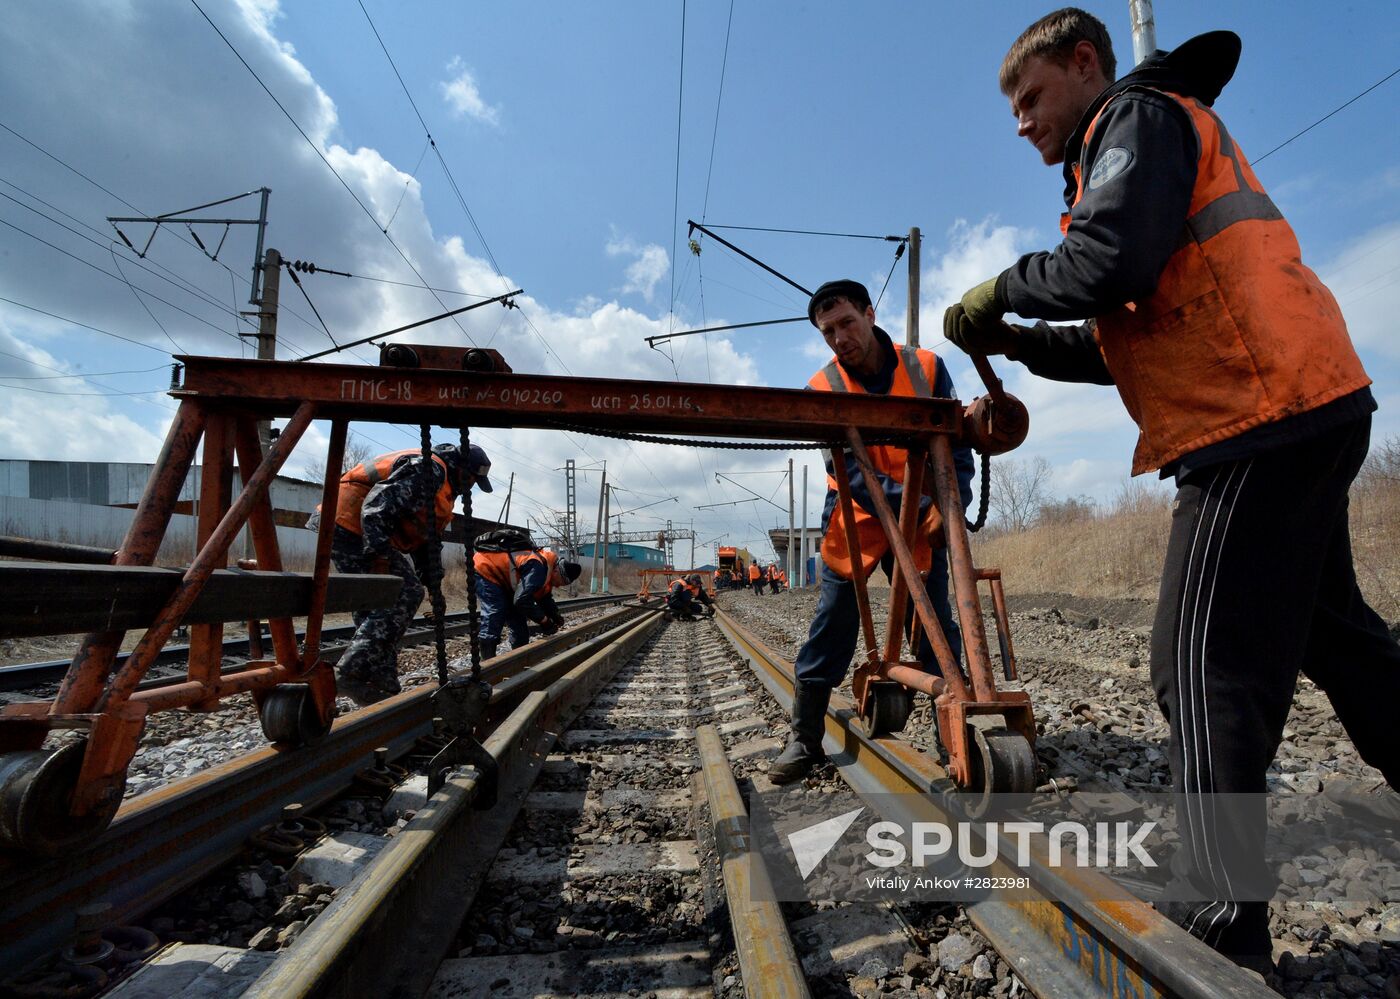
<point x="515" y="587"/>
<point x="866" y="361"/>
<point x="1235" y="362"/>
<point x="756" y="578"/>
<point x="380" y="521"/>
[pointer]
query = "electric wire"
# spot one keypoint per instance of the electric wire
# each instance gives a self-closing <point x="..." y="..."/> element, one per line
<point x="74" y="322"/>
<point x="141" y="301"/>
<point x="810" y="232"/>
<point x="1329" y="114"/>
<point x="329" y="166"/>
<point x="676" y="196"/>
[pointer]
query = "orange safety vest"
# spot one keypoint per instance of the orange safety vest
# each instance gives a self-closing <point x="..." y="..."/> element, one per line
<point x="753" y="572"/>
<point x="356" y="484"/>
<point x="504" y="568"/>
<point x="1238" y="332"/>
<point x="914" y="375"/>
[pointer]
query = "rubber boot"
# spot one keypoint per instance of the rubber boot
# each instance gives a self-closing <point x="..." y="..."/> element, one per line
<point x="488" y="649"/>
<point x="804" y="749"/>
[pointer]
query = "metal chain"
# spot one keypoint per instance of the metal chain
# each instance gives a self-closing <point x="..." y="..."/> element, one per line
<point x="721" y="445"/>
<point x="981" y="521"/>
<point x="472" y="620"/>
<point x="434" y="570"/>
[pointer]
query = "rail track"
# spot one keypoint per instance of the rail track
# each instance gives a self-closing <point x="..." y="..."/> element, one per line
<point x="615" y="846"/>
<point x="27" y="676"/>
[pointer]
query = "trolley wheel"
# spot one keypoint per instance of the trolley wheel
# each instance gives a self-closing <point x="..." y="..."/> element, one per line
<point x="36" y="789"/>
<point x="887" y="704"/>
<point x="289" y="716"/>
<point x="1003" y="763"/>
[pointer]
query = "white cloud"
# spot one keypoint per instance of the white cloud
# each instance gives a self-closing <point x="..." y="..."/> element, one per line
<point x="1365" y="277"/>
<point x="649" y="265"/>
<point x="464" y="98"/>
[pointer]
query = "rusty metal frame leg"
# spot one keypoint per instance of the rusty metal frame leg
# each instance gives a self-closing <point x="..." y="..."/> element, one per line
<point x="330" y="496"/>
<point x="843" y="494"/>
<point x="908" y="524"/>
<point x="264" y="530"/>
<point x="1008" y="653"/>
<point x="964" y="574"/>
<point x="124" y="683"/>
<point x="904" y="563"/>
<point x="86" y="678"/>
<point x="215" y="494"/>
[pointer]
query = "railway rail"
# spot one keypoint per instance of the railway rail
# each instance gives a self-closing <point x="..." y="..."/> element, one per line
<point x="25" y="676"/>
<point x="602" y="722"/>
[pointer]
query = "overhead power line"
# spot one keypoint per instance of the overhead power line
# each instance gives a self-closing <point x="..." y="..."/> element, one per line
<point x="329" y="166"/>
<point x="1329" y="114"/>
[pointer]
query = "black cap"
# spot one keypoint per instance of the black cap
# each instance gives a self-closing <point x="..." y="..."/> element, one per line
<point x="846" y="288"/>
<point x="572" y="570"/>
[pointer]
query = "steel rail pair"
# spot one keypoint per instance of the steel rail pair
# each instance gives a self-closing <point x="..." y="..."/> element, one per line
<point x="23" y="676"/>
<point x="164" y="841"/>
<point x="1074" y="934"/>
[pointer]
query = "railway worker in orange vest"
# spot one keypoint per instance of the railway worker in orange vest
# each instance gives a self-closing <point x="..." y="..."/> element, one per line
<point x="774" y="580"/>
<point x="866" y="361"/>
<point x="514" y="588"/>
<point x="756" y="578"/>
<point x="380" y="521"/>
<point x="1236" y="364"/>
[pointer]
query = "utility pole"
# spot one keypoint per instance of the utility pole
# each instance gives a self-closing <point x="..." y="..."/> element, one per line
<point x="805" y="580"/>
<point x="692" y="544"/>
<point x="570" y="509"/>
<point x="267" y="326"/>
<point x="670" y="547"/>
<point x="790" y="573"/>
<point x="607" y="507"/>
<point x="911" y="323"/>
<point x="1144" y="29"/>
<point x="505" y="507"/>
<point x="593" y="582"/>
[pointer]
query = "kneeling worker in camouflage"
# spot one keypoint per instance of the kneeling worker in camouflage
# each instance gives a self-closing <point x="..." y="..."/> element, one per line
<point x="515" y="588"/>
<point x="380" y="520"/>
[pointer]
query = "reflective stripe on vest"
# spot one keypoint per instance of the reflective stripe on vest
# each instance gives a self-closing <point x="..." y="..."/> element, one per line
<point x="914" y="375"/>
<point x="503" y="568"/>
<point x="1238" y="331"/>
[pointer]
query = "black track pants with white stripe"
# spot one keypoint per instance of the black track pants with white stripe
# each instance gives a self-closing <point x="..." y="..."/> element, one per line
<point x="1258" y="584"/>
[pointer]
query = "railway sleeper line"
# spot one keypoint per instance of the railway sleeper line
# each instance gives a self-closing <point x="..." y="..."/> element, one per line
<point x="631" y="752"/>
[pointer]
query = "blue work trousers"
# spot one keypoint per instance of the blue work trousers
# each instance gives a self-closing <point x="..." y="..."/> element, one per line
<point x="498" y="613"/>
<point x="831" y="642"/>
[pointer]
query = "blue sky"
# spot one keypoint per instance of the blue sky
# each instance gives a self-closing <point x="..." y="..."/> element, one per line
<point x="559" y="125"/>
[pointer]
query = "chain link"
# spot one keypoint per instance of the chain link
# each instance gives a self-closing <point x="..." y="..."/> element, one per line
<point x="434" y="568"/>
<point x="465" y="443"/>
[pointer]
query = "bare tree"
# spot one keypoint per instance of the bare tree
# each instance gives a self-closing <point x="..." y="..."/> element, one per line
<point x="1019" y="490"/>
<point x="1382" y="465"/>
<point x="357" y="450"/>
<point x="1071" y="510"/>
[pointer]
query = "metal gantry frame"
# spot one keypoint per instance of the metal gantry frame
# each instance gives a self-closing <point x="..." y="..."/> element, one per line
<point x="987" y="732"/>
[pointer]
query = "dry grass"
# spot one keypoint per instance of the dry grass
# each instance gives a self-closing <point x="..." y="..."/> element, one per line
<point x="1119" y="553"/>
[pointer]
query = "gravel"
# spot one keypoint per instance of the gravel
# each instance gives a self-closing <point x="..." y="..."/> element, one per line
<point x="1099" y="727"/>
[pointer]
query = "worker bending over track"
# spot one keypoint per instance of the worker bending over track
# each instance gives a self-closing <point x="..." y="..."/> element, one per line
<point x="1236" y="364"/>
<point x="685" y="598"/>
<point x="514" y="585"/>
<point x="866" y="361"/>
<point x="380" y="521"/>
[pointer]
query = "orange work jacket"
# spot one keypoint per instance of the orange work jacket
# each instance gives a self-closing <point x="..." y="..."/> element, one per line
<point x="914" y="375"/>
<point x="754" y="572"/>
<point x="356" y="484"/>
<point x="505" y="568"/>
<point x="1238" y="332"/>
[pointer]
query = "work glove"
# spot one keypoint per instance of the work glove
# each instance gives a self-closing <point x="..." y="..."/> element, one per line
<point x="995" y="337"/>
<point x="549" y="626"/>
<point x="981" y="305"/>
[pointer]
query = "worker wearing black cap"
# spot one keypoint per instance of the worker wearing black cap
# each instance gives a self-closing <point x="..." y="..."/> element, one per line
<point x="866" y="361"/>
<point x="381" y="520"/>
